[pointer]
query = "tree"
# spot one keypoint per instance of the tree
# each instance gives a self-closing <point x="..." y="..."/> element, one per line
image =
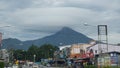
<point x="47" y="50"/>
<point x="19" y="54"/>
<point x="44" y="51"/>
<point x="33" y="50"/>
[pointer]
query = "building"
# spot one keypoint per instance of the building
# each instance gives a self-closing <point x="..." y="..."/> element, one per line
<point x="4" y="55"/>
<point x="104" y="56"/>
<point x="97" y="48"/>
<point x="64" y="46"/>
<point x="75" y="49"/>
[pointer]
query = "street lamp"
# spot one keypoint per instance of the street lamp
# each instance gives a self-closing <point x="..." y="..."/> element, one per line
<point x="51" y="54"/>
<point x="34" y="57"/>
<point x="5" y="26"/>
<point x="86" y="24"/>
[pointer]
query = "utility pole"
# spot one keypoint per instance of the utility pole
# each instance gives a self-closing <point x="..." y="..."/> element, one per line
<point x="34" y="57"/>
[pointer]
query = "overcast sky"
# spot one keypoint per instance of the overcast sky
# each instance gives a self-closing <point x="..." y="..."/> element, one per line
<point x="32" y="19"/>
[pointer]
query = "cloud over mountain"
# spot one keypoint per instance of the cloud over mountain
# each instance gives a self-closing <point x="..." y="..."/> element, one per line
<point x="26" y="16"/>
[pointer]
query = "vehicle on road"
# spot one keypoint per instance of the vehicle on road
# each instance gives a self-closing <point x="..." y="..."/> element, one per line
<point x="35" y="65"/>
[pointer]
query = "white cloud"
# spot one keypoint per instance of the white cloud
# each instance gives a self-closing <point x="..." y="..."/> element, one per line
<point x="45" y="17"/>
<point x="3" y="5"/>
<point x="113" y="37"/>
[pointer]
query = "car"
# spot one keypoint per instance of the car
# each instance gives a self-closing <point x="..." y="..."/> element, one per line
<point x="35" y="65"/>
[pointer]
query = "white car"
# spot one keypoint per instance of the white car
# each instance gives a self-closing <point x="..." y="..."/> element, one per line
<point x="35" y="65"/>
<point x="15" y="66"/>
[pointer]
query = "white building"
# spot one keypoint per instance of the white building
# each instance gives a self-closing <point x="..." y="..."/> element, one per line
<point x="97" y="48"/>
<point x="62" y="47"/>
<point x="4" y="55"/>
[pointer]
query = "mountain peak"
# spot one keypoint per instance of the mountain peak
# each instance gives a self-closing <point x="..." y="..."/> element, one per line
<point x="66" y="28"/>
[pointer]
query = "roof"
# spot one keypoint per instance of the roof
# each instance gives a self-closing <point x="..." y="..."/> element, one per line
<point x="62" y="47"/>
<point x="103" y="47"/>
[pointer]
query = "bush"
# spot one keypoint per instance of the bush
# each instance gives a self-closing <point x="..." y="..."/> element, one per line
<point x="90" y="66"/>
<point x="93" y="66"/>
<point x="1" y="64"/>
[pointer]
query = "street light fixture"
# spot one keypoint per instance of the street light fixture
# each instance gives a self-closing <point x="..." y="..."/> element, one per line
<point x="86" y="24"/>
<point x="5" y="26"/>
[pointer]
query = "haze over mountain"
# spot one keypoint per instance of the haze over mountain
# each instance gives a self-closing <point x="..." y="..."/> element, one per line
<point x="65" y="36"/>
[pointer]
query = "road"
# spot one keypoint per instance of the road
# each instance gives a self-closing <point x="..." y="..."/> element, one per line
<point x="40" y="66"/>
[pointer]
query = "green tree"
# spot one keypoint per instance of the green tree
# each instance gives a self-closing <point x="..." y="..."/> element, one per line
<point x="19" y="54"/>
<point x="47" y="50"/>
<point x="44" y="51"/>
<point x="33" y="50"/>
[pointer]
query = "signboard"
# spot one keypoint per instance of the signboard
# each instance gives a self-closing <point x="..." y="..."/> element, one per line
<point x="104" y="61"/>
<point x="107" y="61"/>
<point x="101" y="61"/>
<point x="114" y="60"/>
<point x="76" y="50"/>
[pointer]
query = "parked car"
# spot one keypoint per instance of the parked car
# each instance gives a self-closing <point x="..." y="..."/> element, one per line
<point x="35" y="65"/>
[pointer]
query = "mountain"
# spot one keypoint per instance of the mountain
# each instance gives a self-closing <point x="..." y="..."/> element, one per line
<point x="65" y="36"/>
<point x="11" y="43"/>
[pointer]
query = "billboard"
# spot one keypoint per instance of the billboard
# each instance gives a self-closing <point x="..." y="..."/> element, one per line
<point x="107" y="61"/>
<point x="101" y="61"/>
<point x="114" y="60"/>
<point x="104" y="61"/>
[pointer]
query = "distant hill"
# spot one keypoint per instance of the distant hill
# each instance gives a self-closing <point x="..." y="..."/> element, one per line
<point x="65" y="36"/>
<point x="11" y="43"/>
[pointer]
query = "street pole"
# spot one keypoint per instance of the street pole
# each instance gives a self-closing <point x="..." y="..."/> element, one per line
<point x="34" y="57"/>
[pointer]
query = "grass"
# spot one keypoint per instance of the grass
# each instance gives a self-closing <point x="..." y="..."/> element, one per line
<point x="1" y="64"/>
<point x="92" y="66"/>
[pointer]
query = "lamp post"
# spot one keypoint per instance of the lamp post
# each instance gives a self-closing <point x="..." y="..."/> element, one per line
<point x="34" y="57"/>
<point x="5" y="26"/>
<point x="51" y="53"/>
